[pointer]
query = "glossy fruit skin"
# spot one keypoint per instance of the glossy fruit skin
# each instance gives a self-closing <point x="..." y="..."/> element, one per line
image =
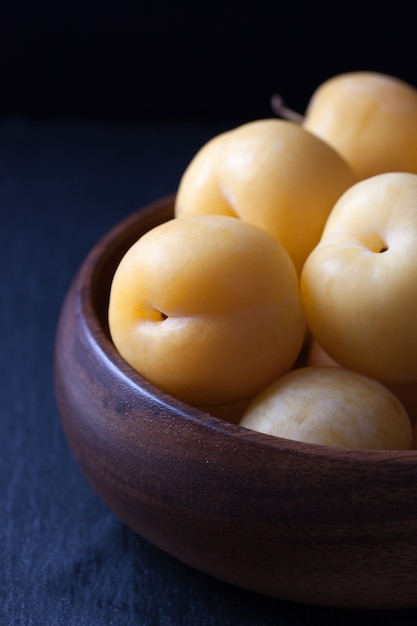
<point x="272" y="173"/>
<point x="331" y="406"/>
<point x="370" y="118"/>
<point x="207" y="308"/>
<point x="359" y="285"/>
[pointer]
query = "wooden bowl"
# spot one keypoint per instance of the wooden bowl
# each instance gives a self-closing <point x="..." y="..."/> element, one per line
<point x="295" y="521"/>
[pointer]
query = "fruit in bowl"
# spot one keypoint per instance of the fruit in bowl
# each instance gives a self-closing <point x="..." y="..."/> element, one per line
<point x="319" y="524"/>
<point x="207" y="308"/>
<point x="306" y="523"/>
<point x="331" y="406"/>
<point x="358" y="285"/>
<point x="271" y="173"/>
<point x="215" y="300"/>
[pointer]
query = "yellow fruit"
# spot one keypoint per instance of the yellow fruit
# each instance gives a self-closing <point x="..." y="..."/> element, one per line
<point x="208" y="309"/>
<point x="370" y="118"/>
<point x="359" y="285"/>
<point x="271" y="173"/>
<point x="331" y="406"/>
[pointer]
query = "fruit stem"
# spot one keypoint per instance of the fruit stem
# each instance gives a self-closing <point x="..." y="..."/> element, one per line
<point x="279" y="108"/>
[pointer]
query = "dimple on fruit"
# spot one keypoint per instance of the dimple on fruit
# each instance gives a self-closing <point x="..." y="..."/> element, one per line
<point x="208" y="309"/>
<point x="359" y="285"/>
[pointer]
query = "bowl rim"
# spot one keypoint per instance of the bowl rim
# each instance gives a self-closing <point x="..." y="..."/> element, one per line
<point x="88" y="272"/>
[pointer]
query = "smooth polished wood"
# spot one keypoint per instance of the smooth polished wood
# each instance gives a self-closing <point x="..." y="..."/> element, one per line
<point x="300" y="522"/>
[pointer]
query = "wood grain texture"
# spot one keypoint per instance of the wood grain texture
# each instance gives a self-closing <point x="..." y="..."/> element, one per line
<point x="300" y="522"/>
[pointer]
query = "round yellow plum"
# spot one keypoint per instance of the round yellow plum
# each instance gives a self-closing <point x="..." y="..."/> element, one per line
<point x="207" y="308"/>
<point x="359" y="284"/>
<point x="271" y="173"/>
<point x="370" y="118"/>
<point x="331" y="406"/>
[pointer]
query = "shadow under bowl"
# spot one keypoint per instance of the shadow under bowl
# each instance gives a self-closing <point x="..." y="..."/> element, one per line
<point x="300" y="522"/>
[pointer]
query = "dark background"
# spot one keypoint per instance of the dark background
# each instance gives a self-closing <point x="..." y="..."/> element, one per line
<point x="102" y="105"/>
<point x="185" y="60"/>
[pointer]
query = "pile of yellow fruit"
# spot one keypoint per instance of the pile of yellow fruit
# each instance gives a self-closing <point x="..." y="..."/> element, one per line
<point x="283" y="293"/>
